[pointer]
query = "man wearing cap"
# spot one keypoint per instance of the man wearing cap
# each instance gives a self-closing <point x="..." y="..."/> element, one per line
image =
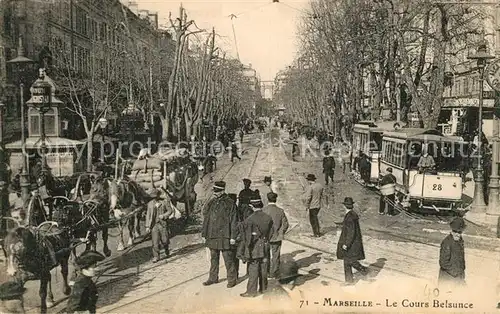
<point x="328" y="166"/>
<point x="350" y="245"/>
<point x="313" y="198"/>
<point x="11" y="297"/>
<point x="452" y="257"/>
<point x="245" y="194"/>
<point x="426" y="162"/>
<point x="84" y="295"/>
<point x="159" y="210"/>
<point x="220" y="231"/>
<point x="280" y="226"/>
<point x="387" y="193"/>
<point x="257" y="230"/>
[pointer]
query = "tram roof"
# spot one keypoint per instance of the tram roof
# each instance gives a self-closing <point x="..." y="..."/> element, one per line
<point x="420" y="134"/>
<point x="382" y="126"/>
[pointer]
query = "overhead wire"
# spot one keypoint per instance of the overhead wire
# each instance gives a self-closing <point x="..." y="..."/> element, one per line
<point x="233" y="16"/>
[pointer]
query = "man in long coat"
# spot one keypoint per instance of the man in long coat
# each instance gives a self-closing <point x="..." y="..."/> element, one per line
<point x="350" y="245"/>
<point x="257" y="230"/>
<point x="452" y="257"/>
<point x="220" y="231"/>
<point x="280" y="226"/>
<point x="159" y="210"/>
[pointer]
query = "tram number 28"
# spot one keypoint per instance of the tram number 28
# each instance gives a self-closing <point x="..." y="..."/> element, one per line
<point x="437" y="187"/>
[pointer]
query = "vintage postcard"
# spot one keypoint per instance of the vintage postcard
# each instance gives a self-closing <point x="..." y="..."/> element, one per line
<point x="257" y="156"/>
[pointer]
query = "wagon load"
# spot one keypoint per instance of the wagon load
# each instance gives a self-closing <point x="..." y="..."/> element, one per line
<point x="151" y="172"/>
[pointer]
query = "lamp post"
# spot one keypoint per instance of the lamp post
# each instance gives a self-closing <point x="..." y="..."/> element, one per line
<point x="41" y="99"/>
<point x="478" y="204"/>
<point x="21" y="61"/>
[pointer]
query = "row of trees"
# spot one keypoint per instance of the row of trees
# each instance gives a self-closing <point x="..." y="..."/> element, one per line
<point x="185" y="80"/>
<point x="395" y="51"/>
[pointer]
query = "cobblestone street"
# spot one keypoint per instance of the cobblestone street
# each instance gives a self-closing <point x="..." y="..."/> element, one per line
<point x="403" y="260"/>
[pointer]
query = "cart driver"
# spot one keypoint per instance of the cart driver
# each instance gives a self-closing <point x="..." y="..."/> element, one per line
<point x="426" y="162"/>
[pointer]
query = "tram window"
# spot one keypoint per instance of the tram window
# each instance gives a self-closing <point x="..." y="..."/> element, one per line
<point x="376" y="142"/>
<point x="399" y="150"/>
<point x="391" y="160"/>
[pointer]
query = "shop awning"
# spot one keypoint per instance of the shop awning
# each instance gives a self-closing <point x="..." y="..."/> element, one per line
<point x="50" y="141"/>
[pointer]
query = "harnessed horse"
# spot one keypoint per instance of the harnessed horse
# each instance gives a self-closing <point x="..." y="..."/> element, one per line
<point x="127" y="200"/>
<point x="30" y="253"/>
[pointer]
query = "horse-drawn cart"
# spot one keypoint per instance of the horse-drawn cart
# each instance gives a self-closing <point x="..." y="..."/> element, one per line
<point x="171" y="170"/>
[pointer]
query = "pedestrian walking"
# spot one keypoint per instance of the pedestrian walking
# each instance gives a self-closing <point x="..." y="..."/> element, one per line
<point x="452" y="258"/>
<point x="234" y="151"/>
<point x="328" y="166"/>
<point x="350" y="245"/>
<point x="280" y="226"/>
<point x="209" y="165"/>
<point x="84" y="295"/>
<point x="313" y="199"/>
<point x="387" y="193"/>
<point x="219" y="232"/>
<point x="346" y="158"/>
<point x="12" y="297"/>
<point x="158" y="212"/>
<point x="257" y="230"/>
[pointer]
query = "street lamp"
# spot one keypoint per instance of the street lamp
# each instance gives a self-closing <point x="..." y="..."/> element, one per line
<point x="41" y="99"/>
<point x="22" y="62"/>
<point x="478" y="204"/>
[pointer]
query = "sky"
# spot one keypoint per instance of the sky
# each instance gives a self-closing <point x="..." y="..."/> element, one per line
<point x="266" y="32"/>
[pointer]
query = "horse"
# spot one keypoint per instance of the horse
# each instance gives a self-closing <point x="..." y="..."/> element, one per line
<point x="124" y="197"/>
<point x="30" y="252"/>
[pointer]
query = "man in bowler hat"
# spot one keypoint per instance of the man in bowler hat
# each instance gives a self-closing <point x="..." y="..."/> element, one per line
<point x="84" y="295"/>
<point x="159" y="210"/>
<point x="220" y="231"/>
<point x="256" y="233"/>
<point x="11" y="297"/>
<point x="452" y="257"/>
<point x="313" y="199"/>
<point x="350" y="245"/>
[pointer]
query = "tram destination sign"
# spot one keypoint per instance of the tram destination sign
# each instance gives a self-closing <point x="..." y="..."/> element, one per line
<point x="492" y="73"/>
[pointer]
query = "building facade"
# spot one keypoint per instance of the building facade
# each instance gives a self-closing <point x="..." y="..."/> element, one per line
<point x="84" y="35"/>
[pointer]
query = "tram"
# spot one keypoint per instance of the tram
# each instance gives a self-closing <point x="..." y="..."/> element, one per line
<point x="438" y="188"/>
<point x="367" y="138"/>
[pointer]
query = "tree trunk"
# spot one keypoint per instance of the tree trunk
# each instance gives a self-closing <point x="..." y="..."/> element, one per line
<point x="90" y="138"/>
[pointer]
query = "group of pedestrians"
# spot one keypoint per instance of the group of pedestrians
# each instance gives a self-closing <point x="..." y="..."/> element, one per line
<point x="244" y="230"/>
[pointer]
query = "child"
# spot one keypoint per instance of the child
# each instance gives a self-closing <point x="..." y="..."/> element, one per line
<point x="84" y="293"/>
